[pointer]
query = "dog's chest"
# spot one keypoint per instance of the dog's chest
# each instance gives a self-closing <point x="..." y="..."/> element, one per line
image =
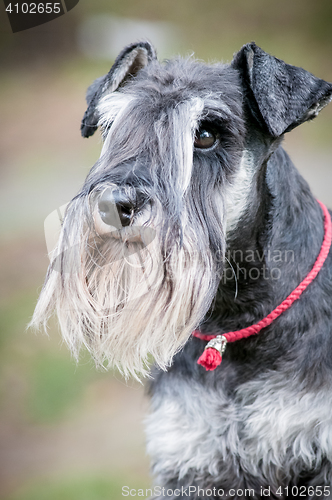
<point x="268" y="425"/>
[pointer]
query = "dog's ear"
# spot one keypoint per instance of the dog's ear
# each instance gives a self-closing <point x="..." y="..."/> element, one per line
<point x="128" y="63"/>
<point x="280" y="96"/>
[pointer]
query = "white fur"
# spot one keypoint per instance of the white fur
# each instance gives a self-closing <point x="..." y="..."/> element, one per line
<point x="110" y="295"/>
<point x="187" y="429"/>
<point x="268" y="425"/>
<point x="237" y="192"/>
<point x="111" y="110"/>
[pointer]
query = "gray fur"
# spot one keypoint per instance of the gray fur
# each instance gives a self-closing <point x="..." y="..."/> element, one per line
<point x="217" y="435"/>
<point x="154" y="246"/>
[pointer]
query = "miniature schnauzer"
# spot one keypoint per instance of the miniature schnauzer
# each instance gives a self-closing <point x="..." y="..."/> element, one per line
<point x="194" y="225"/>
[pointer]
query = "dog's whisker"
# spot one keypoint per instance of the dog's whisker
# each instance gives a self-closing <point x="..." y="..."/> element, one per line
<point x="234" y="275"/>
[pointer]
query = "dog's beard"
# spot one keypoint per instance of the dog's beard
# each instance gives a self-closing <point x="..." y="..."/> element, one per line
<point x="127" y="300"/>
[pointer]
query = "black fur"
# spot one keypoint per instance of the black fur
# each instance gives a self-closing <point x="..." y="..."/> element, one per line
<point x="280" y="96"/>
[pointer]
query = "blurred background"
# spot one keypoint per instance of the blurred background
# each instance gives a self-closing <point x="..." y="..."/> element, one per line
<point x="68" y="431"/>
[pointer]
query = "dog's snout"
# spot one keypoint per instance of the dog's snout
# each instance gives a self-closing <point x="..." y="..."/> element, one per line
<point x="117" y="208"/>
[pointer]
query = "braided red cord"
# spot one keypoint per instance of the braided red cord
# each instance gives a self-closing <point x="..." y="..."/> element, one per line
<point x="254" y="329"/>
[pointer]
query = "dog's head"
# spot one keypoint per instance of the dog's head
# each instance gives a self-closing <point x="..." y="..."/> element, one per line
<point x="142" y="246"/>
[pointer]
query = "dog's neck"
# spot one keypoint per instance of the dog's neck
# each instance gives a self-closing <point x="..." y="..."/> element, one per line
<point x="275" y="242"/>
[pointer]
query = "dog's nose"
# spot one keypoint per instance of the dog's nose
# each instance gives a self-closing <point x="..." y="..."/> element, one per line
<point x="117" y="208"/>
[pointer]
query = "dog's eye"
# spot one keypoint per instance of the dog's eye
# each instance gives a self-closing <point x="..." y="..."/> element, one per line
<point x="204" y="138"/>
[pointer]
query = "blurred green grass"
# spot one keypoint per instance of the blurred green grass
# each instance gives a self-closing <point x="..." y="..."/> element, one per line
<point x="51" y="380"/>
<point x="78" y="488"/>
<point x="55" y="384"/>
<point x="44" y="392"/>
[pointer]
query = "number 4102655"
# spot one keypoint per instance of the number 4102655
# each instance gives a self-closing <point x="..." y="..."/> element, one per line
<point x="34" y="8"/>
<point x="304" y="491"/>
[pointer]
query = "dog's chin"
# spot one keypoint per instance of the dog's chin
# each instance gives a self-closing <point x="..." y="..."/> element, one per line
<point x="117" y="295"/>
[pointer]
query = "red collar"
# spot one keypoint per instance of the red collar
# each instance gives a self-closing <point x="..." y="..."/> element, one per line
<point x="211" y="356"/>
